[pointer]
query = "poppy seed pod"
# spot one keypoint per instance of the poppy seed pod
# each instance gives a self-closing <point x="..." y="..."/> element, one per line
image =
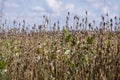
<point x="111" y="20"/>
<point x="68" y="13"/>
<point x="86" y="12"/>
<point x="115" y="17"/>
<point x="103" y="18"/>
<point x="104" y="24"/>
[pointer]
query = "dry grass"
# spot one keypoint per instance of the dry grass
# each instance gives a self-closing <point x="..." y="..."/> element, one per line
<point x="68" y="54"/>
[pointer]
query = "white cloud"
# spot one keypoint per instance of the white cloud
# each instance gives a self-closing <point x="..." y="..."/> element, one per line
<point x="70" y="7"/>
<point x="11" y="16"/>
<point x="97" y="5"/>
<point x="11" y="4"/>
<point x="38" y="9"/>
<point x="55" y="5"/>
<point x="106" y="9"/>
<point x="110" y="10"/>
<point x="115" y="7"/>
<point x="92" y="0"/>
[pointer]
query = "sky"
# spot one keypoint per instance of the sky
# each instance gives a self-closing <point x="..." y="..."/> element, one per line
<point x="33" y="10"/>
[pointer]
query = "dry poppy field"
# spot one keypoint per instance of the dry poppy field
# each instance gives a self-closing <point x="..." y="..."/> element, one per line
<point x="84" y="51"/>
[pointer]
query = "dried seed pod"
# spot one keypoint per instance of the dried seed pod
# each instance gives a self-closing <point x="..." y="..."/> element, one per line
<point x="23" y="21"/>
<point x="54" y="24"/>
<point x="83" y="19"/>
<point x="104" y="24"/>
<point x="103" y="18"/>
<point x="40" y="26"/>
<point x="111" y="24"/>
<point x="94" y="21"/>
<point x="14" y="21"/>
<point x="89" y="25"/>
<point x="107" y="14"/>
<point x="67" y="17"/>
<point x="75" y="17"/>
<point x="46" y="19"/>
<point x="86" y="12"/>
<point x="115" y="17"/>
<point x="111" y="20"/>
<point x="68" y="13"/>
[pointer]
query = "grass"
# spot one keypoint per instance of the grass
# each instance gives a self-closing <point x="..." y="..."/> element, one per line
<point x="79" y="52"/>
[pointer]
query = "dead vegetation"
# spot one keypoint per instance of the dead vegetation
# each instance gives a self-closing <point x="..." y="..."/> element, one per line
<point x="79" y="52"/>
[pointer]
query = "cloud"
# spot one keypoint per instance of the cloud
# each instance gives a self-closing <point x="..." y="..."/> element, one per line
<point x="11" y="16"/>
<point x="70" y="7"/>
<point x="38" y="9"/>
<point x="97" y="5"/>
<point x="106" y="9"/>
<point x="55" y="5"/>
<point x="11" y="4"/>
<point x="110" y="11"/>
<point x="115" y="7"/>
<point x="92" y="1"/>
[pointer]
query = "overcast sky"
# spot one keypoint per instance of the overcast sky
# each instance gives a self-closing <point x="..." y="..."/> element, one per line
<point x="33" y="10"/>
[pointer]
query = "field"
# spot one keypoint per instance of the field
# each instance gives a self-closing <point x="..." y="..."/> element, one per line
<point x="83" y="51"/>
